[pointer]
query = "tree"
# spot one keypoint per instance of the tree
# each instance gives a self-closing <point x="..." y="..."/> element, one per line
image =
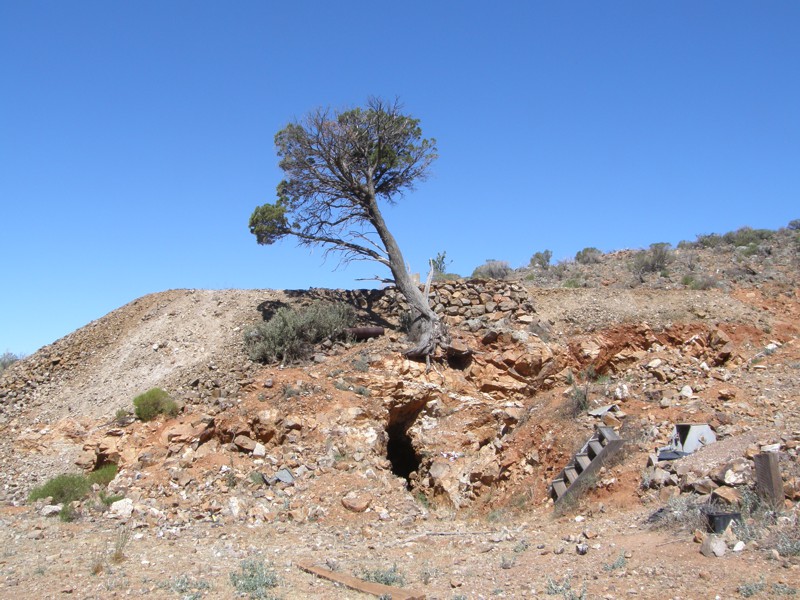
<point x="542" y="259"/>
<point x="338" y="166"/>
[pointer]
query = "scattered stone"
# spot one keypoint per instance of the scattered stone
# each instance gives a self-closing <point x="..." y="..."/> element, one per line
<point x="582" y="549"/>
<point x="51" y="510"/>
<point x="244" y="443"/>
<point x="727" y="495"/>
<point x="259" y="451"/>
<point x="122" y="509"/>
<point x="713" y="546"/>
<point x="356" y="502"/>
<point x="284" y="476"/>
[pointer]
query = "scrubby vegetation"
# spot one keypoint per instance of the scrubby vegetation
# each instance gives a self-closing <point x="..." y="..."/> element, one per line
<point x="492" y="269"/>
<point x="63" y="488"/>
<point x="542" y="259"/>
<point x="152" y="403"/>
<point x="390" y="576"/>
<point x="7" y="359"/>
<point x="588" y="256"/>
<point x="439" y="265"/>
<point x="104" y="475"/>
<point x="742" y="237"/>
<point x="291" y="333"/>
<point x="255" y="579"/>
<point x="67" y="488"/>
<point x="654" y="260"/>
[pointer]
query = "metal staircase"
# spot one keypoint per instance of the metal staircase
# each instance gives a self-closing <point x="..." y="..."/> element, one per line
<point x="603" y="444"/>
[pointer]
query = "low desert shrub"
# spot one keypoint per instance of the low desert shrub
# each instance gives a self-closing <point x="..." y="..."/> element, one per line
<point x="152" y="403"/>
<point x="290" y="334"/>
<point x="62" y="489"/>
<point x="104" y="475"/>
<point x="7" y="359"/>
<point x="744" y="236"/>
<point x="751" y="588"/>
<point x="794" y="225"/>
<point x="681" y="512"/>
<point x="588" y="256"/>
<point x="564" y="589"/>
<point x="709" y="240"/>
<point x="654" y="260"/>
<point x="492" y="269"/>
<point x="390" y="576"/>
<point x="573" y="283"/>
<point x="255" y="579"/>
<point x="701" y="282"/>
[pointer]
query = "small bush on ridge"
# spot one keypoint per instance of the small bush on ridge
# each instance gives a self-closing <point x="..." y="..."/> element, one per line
<point x="653" y="260"/>
<point x="588" y="256"/>
<point x="7" y="359"/>
<point x="152" y="403"/>
<point x="542" y="259"/>
<point x="492" y="269"/>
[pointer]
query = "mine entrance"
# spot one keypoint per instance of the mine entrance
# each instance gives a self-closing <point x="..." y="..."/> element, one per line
<point x="400" y="450"/>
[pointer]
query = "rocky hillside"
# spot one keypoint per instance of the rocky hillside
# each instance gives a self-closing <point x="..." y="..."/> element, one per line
<point x="360" y="455"/>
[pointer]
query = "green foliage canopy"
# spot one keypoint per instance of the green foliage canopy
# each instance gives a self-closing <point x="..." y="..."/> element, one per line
<point x="337" y="165"/>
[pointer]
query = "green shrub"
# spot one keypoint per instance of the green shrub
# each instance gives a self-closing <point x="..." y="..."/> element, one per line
<point x="255" y="579"/>
<point x="390" y="576"/>
<point x="680" y="513"/>
<point x="654" y="260"/>
<point x="109" y="500"/>
<point x="446" y="276"/>
<point x="698" y="283"/>
<point x="744" y="236"/>
<point x="62" y="489"/>
<point x="492" y="269"/>
<point x="104" y="475"/>
<point x="588" y="256"/>
<point x="68" y="513"/>
<point x="750" y="249"/>
<point x="152" y="403"/>
<point x="751" y="588"/>
<point x="290" y="334"/>
<point x="542" y="259"/>
<point x="709" y="240"/>
<point x="794" y="225"/>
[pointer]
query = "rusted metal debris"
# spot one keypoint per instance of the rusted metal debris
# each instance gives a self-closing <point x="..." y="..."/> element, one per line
<point x="363" y="333"/>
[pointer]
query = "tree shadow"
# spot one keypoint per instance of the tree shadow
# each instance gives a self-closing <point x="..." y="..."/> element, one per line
<point x="268" y="308"/>
<point x="363" y="301"/>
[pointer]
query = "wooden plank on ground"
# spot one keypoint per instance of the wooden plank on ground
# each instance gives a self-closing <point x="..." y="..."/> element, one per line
<point x="354" y="583"/>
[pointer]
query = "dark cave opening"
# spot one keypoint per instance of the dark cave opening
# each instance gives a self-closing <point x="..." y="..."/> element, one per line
<point x="400" y="450"/>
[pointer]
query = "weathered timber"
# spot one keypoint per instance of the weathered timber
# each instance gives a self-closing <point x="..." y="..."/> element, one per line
<point x="354" y="583"/>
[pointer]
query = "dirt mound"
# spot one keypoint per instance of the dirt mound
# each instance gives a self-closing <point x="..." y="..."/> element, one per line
<point x="361" y="455"/>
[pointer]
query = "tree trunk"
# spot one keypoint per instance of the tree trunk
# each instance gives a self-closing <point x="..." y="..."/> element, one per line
<point x="429" y="329"/>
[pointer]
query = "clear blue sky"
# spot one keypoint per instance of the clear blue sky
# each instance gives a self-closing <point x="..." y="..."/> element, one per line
<point x="137" y="137"/>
